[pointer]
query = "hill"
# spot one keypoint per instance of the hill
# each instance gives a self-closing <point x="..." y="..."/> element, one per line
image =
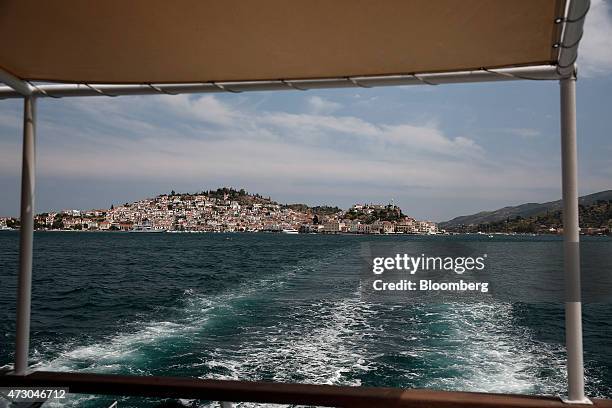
<point x="524" y="211"/>
<point x="595" y="219"/>
<point x="245" y="198"/>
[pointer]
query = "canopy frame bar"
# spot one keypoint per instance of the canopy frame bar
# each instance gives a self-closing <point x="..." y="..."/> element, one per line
<point x="564" y="71"/>
<point x="571" y="34"/>
<point x="573" y="307"/>
<point x="539" y="72"/>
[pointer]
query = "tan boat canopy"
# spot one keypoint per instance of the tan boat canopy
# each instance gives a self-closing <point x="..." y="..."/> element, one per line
<point x="217" y="41"/>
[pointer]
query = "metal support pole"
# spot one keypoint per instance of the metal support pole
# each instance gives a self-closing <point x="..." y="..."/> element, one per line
<point x="571" y="238"/>
<point x="26" y="235"/>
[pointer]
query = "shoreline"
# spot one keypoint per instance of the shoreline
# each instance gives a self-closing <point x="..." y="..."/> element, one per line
<point x="483" y="235"/>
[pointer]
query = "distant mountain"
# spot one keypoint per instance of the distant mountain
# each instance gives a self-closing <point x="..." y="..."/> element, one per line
<point x="523" y="210"/>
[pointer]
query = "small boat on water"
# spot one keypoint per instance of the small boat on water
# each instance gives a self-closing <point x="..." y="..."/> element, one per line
<point x="290" y="231"/>
<point x="146" y="228"/>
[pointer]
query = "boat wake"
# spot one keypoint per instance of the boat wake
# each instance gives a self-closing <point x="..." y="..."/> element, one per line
<point x="307" y="324"/>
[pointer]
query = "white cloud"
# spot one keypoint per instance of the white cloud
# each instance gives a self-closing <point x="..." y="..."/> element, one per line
<point x="276" y="146"/>
<point x="202" y="140"/>
<point x="523" y="132"/>
<point x="317" y="105"/>
<point x="595" y="52"/>
<point x="206" y="108"/>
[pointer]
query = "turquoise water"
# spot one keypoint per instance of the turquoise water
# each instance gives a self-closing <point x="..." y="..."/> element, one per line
<point x="281" y="308"/>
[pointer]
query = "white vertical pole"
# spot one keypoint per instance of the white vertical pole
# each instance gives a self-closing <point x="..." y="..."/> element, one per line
<point x="571" y="238"/>
<point x="26" y="235"/>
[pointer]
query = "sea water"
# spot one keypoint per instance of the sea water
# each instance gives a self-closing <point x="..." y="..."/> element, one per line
<point x="279" y="307"/>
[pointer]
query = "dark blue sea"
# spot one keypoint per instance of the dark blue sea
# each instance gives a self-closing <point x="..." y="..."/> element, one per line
<point x="279" y="307"/>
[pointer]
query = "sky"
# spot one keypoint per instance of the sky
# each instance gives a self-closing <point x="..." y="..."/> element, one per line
<point x="436" y="151"/>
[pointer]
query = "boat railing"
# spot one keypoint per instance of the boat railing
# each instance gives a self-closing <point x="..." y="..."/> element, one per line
<point x="228" y="392"/>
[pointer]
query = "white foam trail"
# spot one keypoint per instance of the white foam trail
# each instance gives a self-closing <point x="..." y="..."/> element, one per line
<point x="120" y="350"/>
<point x="123" y="351"/>
<point x="497" y="354"/>
<point x="328" y="353"/>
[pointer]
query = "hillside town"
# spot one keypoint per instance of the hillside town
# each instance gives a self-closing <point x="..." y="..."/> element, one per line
<point x="230" y="210"/>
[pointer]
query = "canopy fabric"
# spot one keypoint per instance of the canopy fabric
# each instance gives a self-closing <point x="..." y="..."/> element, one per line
<point x="185" y="41"/>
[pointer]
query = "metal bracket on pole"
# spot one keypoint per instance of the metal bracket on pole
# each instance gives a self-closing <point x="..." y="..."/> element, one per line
<point x="571" y="247"/>
<point x="17" y="84"/>
<point x="26" y="235"/>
